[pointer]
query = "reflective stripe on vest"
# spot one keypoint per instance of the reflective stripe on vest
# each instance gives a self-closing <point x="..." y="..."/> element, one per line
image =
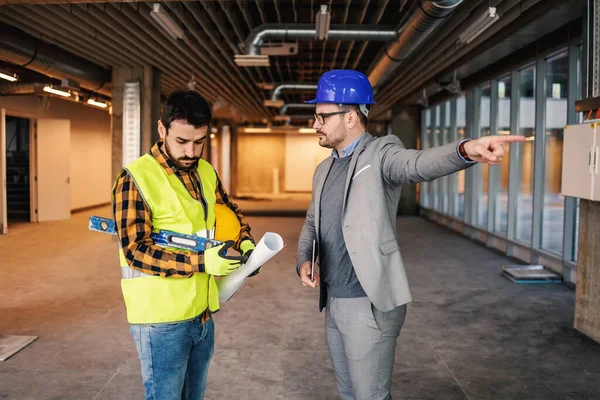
<point x="153" y="299"/>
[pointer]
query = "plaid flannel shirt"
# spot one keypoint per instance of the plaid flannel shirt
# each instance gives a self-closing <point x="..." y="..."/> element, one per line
<point x="134" y="223"/>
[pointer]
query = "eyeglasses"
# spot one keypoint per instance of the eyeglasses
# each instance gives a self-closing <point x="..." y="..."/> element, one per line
<point x="320" y="118"/>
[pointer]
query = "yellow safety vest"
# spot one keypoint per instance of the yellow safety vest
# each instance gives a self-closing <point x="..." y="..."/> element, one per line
<point x="152" y="299"/>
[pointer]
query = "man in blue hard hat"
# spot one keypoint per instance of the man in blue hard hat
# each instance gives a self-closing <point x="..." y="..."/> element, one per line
<point x="352" y="218"/>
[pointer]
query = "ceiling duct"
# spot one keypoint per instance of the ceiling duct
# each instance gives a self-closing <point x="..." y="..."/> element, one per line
<point x="265" y="32"/>
<point x="19" y="48"/>
<point x="427" y="16"/>
<point x="44" y="90"/>
<point x="275" y="100"/>
<point x="17" y="88"/>
<point x="284" y="109"/>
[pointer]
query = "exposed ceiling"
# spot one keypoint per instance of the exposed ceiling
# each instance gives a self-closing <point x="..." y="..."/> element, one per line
<point x="113" y="34"/>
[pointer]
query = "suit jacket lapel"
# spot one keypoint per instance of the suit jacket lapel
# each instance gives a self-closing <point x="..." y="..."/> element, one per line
<point x="320" y="181"/>
<point x="359" y="149"/>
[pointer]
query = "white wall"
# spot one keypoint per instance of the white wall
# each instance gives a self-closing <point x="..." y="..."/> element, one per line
<point x="91" y="145"/>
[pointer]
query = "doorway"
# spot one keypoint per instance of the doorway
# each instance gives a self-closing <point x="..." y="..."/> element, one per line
<point x="18" y="156"/>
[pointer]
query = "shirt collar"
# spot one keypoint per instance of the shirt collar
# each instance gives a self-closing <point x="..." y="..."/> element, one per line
<point x="158" y="152"/>
<point x="349" y="149"/>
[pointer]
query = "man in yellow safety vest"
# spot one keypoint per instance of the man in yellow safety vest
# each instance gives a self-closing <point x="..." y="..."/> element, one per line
<point x="170" y="293"/>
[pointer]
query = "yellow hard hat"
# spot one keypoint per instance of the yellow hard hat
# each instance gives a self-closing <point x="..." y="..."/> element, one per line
<point x="227" y="225"/>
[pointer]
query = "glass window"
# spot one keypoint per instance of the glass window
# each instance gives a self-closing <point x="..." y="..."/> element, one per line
<point x="524" y="212"/>
<point x="482" y="170"/>
<point x="461" y="131"/>
<point x="579" y="77"/>
<point x="435" y="141"/>
<point x="576" y="235"/>
<point x="553" y="208"/>
<point x="500" y="181"/>
<point x="424" y="187"/>
<point x="445" y="139"/>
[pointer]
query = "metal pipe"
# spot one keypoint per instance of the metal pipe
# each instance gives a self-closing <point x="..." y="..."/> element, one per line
<point x="435" y="54"/>
<point x="291" y="86"/>
<point x="427" y="17"/>
<point x="302" y="117"/>
<point x="35" y="30"/>
<point x="382" y="6"/>
<point x="45" y="2"/>
<point x="284" y="109"/>
<point x="57" y="25"/>
<point x="216" y="17"/>
<point x="17" y="88"/>
<point x="19" y="48"/>
<point x="412" y="80"/>
<point x="264" y="32"/>
<point x="198" y="15"/>
<point x="68" y="25"/>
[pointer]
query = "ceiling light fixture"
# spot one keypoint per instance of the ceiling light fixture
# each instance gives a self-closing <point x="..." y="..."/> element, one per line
<point x="479" y="26"/>
<point x="168" y="24"/>
<point x="257" y="130"/>
<point x="97" y="103"/>
<point x="322" y="22"/>
<point x="57" y="92"/>
<point x="249" y="60"/>
<point x="12" y="78"/>
<point x="265" y="86"/>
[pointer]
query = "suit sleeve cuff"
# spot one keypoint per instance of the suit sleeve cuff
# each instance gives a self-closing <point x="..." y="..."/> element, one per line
<point x="460" y="155"/>
<point x="298" y="267"/>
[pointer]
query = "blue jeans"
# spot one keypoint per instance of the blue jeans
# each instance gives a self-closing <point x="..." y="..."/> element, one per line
<point x="175" y="358"/>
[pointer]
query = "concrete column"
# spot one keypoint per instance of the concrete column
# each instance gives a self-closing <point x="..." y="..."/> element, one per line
<point x="587" y="292"/>
<point x="151" y="107"/>
<point x="225" y="156"/>
<point x="406" y="125"/>
<point x="150" y="103"/>
<point x="234" y="159"/>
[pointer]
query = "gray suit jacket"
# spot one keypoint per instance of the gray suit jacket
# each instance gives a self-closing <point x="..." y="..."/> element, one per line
<point x="378" y="168"/>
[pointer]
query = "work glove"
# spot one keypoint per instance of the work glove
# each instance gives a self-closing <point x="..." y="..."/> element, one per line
<point x="218" y="263"/>
<point x="247" y="247"/>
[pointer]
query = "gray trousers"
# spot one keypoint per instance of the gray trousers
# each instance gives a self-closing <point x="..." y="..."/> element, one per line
<point x="362" y="344"/>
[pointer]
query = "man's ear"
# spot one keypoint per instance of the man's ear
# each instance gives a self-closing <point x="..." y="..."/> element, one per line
<point x="162" y="132"/>
<point x="352" y="119"/>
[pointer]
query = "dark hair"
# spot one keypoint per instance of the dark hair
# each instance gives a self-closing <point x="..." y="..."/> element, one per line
<point x="362" y="118"/>
<point x="188" y="106"/>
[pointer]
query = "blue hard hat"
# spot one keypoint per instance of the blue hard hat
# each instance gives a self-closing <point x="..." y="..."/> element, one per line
<point x="343" y="86"/>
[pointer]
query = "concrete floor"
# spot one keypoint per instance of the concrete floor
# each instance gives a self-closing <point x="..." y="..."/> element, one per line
<point x="469" y="334"/>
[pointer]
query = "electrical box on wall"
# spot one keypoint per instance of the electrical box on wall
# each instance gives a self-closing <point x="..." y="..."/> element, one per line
<point x="581" y="159"/>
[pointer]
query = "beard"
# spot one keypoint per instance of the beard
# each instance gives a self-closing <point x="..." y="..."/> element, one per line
<point x="179" y="161"/>
<point x="330" y="140"/>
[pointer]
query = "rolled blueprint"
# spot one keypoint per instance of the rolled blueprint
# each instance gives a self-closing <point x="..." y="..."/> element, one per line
<point x="269" y="245"/>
